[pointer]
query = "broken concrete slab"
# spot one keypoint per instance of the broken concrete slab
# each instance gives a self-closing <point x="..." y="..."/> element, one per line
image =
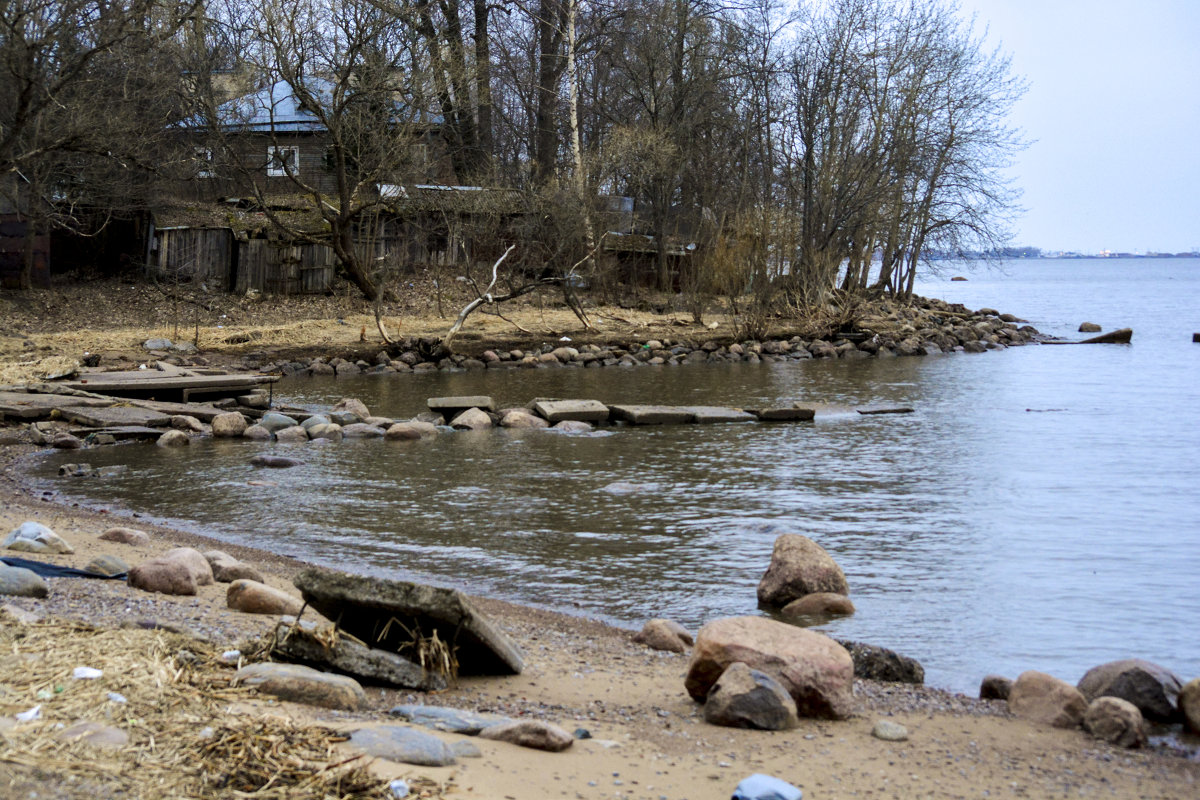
<point x="122" y="433"/>
<point x="387" y="614"/>
<point x="116" y="416"/>
<point x="201" y="411"/>
<point x="783" y="414"/>
<point x="651" y="415"/>
<point x="29" y="405"/>
<point x="707" y="415"/>
<point x="575" y="410"/>
<point x="450" y="407"/>
<point x="310" y="643"/>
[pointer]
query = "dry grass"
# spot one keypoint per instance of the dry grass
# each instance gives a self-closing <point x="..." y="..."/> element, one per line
<point x="182" y="741"/>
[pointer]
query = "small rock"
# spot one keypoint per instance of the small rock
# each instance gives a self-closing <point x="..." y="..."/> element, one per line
<point x="995" y="687"/>
<point x="1189" y="705"/>
<point x="473" y="419"/>
<point x="530" y="733"/>
<point x="34" y="537"/>
<point x="177" y="572"/>
<point x="274" y="421"/>
<point x="185" y="422"/>
<point x="572" y="426"/>
<point x="21" y="582"/>
<point x="301" y="684"/>
<point x="65" y="441"/>
<point x="126" y="536"/>
<point x="227" y="569"/>
<point x="401" y="431"/>
<point x="276" y="462"/>
<point x="252" y="597"/>
<point x="1116" y="721"/>
<point x="890" y="731"/>
<point x="107" y="565"/>
<point x="173" y="438"/>
<point x="819" y="604"/>
<point x="257" y="433"/>
<point x="158" y="343"/>
<point x="361" y="430"/>
<point x="292" y="435"/>
<point x="799" y="566"/>
<point x="451" y="720"/>
<point x="465" y="748"/>
<point x="352" y="406"/>
<point x="1089" y="327"/>
<point x="664" y="634"/>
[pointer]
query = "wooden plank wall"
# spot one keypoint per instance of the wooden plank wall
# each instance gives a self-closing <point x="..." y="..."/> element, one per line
<point x="196" y="254"/>
<point x="278" y="268"/>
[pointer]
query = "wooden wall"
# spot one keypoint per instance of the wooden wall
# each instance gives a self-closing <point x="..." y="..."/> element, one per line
<point x="193" y="254"/>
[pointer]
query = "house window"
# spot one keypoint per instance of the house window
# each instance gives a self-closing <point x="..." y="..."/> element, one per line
<point x="283" y="161"/>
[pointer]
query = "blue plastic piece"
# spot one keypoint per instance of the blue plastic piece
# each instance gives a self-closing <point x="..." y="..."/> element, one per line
<point x="765" y="787"/>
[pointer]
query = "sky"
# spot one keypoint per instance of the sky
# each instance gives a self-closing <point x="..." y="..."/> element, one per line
<point x="1113" y="108"/>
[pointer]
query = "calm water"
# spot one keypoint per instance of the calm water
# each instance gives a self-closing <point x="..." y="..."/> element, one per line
<point x="1039" y="511"/>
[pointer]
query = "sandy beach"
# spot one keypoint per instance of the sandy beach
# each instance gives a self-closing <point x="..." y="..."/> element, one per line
<point x="648" y="737"/>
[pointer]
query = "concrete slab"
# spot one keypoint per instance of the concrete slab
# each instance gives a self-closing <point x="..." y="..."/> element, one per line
<point x="651" y="415"/>
<point x="450" y="407"/>
<point x="577" y="410"/>
<point x="707" y="415"/>
<point x="27" y="405"/>
<point x="122" y="433"/>
<point x="116" y="417"/>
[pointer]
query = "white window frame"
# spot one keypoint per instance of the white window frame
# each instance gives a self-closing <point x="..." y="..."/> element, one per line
<point x="283" y="162"/>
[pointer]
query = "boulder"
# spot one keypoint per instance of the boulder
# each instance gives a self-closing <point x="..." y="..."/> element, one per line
<point x="664" y="634"/>
<point x="257" y="433"/>
<point x="365" y="605"/>
<point x="1153" y="689"/>
<point x="523" y="420"/>
<point x="535" y="734"/>
<point x="300" y="684"/>
<point x="1089" y="327"/>
<point x="401" y="432"/>
<point x="173" y="438"/>
<point x="799" y="566"/>
<point x="1044" y="699"/>
<point x="66" y="441"/>
<point x="226" y="568"/>
<point x="276" y="462"/>
<point x="352" y="406"/>
<point x="327" y="431"/>
<point x="1189" y="705"/>
<point x="995" y="687"/>
<point x="316" y="419"/>
<point x="572" y="426"/>
<point x="34" y="537"/>
<point x="402" y="744"/>
<point x="126" y="536"/>
<point x="179" y="572"/>
<point x="1121" y="336"/>
<point x="473" y="419"/>
<point x="361" y="430"/>
<point x="108" y="566"/>
<point x="875" y="663"/>
<point x="292" y="435"/>
<point x="21" y="582"/>
<point x="187" y="423"/>
<point x="816" y="671"/>
<point x="253" y="597"/>
<point x="1116" y="721"/>
<point x="313" y="644"/>
<point x="819" y="604"/>
<point x="748" y="698"/>
<point x="274" y="421"/>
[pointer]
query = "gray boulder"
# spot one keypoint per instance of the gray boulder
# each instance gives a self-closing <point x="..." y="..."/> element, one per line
<point x="361" y="430"/>
<point x="292" y="435"/>
<point x="520" y="419"/>
<point x="177" y="572"/>
<point x="21" y="582"/>
<point x="257" y="433"/>
<point x="309" y="643"/>
<point x="231" y="424"/>
<point x="366" y="606"/>
<point x="226" y="568"/>
<point x="875" y="663"/>
<point x="473" y="419"/>
<point x="130" y="536"/>
<point x="995" y="687"/>
<point x="747" y="698"/>
<point x="1189" y="705"/>
<point x="34" y="537"/>
<point x="403" y="744"/>
<point x="300" y="684"/>
<point x="107" y="565"/>
<point x="799" y="566"/>
<point x="173" y="438"/>
<point x="352" y="406"/>
<point x="1153" y="689"/>
<point x="275" y="462"/>
<point x="451" y="720"/>
<point x="274" y="421"/>
<point x="664" y="634"/>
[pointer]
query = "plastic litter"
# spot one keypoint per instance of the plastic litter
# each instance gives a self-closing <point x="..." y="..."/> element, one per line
<point x="231" y="656"/>
<point x="766" y="787"/>
<point x="399" y="788"/>
<point x="117" y="697"/>
<point x="30" y="715"/>
<point x="87" y="673"/>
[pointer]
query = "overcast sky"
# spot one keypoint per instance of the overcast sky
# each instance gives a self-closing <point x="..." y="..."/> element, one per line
<point x="1114" y="107"/>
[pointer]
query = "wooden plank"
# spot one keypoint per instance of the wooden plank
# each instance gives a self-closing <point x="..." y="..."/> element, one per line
<point x="151" y="381"/>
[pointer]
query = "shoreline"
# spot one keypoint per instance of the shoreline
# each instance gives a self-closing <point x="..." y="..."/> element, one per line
<point x="646" y="731"/>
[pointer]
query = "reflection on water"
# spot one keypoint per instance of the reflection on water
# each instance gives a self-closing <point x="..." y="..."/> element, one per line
<point x="977" y="535"/>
